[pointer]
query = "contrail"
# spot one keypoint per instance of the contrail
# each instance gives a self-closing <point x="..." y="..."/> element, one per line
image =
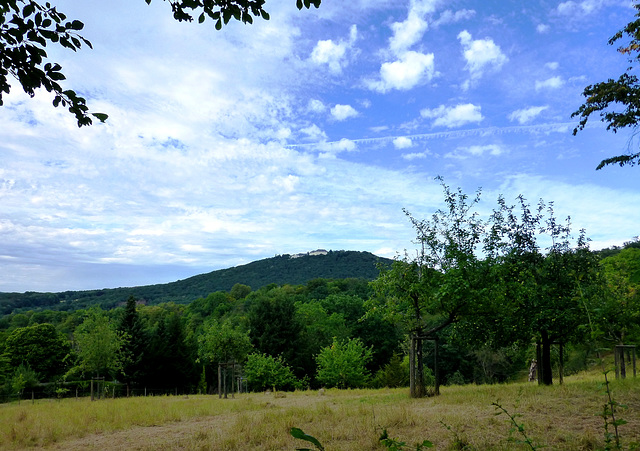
<point x="539" y="128"/>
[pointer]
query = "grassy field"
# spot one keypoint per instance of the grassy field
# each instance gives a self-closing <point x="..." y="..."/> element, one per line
<point x="563" y="417"/>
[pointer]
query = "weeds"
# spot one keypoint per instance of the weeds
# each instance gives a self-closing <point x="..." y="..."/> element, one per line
<point x="396" y="445"/>
<point x="609" y="410"/>
<point x="458" y="442"/>
<point x="517" y="427"/>
<point x="390" y="443"/>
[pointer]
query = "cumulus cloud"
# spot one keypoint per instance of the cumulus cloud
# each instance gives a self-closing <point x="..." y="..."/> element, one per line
<point x="333" y="54"/>
<point x="332" y="148"/>
<point x="343" y="112"/>
<point x="402" y="142"/>
<point x="527" y="114"/>
<point x="407" y="33"/>
<point x="462" y="153"/>
<point x="411" y="70"/>
<point x="316" y="106"/>
<point x="480" y="54"/>
<point x="572" y="8"/>
<point x="451" y="117"/>
<point x="448" y="16"/>
<point x="550" y="83"/>
<point x="314" y="133"/>
<point x="416" y="155"/>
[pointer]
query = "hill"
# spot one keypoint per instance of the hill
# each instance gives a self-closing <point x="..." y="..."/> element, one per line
<point x="283" y="269"/>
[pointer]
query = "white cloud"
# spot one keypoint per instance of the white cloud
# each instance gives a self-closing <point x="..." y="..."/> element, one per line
<point x="416" y="155"/>
<point x="316" y="106"/>
<point x="451" y="117"/>
<point x="463" y="153"/>
<point x="314" y="133"/>
<point x="331" y="149"/>
<point x="402" y="142"/>
<point x="542" y="28"/>
<point x="481" y="54"/>
<point x="411" y="70"/>
<point x="553" y="65"/>
<point x="334" y="55"/>
<point x="550" y="83"/>
<point x="448" y="16"/>
<point x="527" y="114"/>
<point x="343" y="112"/>
<point x="407" y="33"/>
<point x="572" y="8"/>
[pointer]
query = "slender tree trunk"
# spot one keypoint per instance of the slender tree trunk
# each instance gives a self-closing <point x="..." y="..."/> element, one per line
<point x="420" y="388"/>
<point x="412" y="366"/>
<point x="546" y="375"/>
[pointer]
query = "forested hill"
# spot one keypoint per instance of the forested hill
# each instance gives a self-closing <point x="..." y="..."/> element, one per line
<point x="283" y="269"/>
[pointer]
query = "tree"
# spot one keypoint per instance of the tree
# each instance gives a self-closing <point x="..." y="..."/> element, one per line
<point x="617" y="101"/>
<point x="343" y="364"/>
<point x="221" y="342"/>
<point x="273" y="324"/>
<point x="134" y="348"/>
<point x="27" y="26"/>
<point x="618" y="318"/>
<point x="443" y="283"/>
<point x="98" y="345"/>
<point x="264" y="371"/>
<point x="40" y="348"/>
<point x="544" y="296"/>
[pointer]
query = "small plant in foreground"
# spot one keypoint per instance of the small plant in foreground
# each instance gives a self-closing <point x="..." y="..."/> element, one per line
<point x="516" y="427"/>
<point x="458" y="442"/>
<point x="396" y="445"/>
<point x="299" y="434"/>
<point x="609" y="410"/>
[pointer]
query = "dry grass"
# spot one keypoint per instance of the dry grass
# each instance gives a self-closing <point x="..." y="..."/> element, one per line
<point x="559" y="417"/>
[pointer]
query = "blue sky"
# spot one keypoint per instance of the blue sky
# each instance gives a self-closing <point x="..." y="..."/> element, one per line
<point x="311" y="130"/>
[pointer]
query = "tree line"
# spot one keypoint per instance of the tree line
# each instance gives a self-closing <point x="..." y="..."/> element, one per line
<point x="480" y="300"/>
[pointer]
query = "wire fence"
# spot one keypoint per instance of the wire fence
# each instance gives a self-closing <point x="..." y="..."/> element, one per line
<point x="83" y="389"/>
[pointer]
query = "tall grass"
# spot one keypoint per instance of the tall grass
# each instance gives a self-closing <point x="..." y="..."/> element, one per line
<point x="559" y="417"/>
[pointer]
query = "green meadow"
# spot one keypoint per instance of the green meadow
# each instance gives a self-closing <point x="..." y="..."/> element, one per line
<point x="567" y="417"/>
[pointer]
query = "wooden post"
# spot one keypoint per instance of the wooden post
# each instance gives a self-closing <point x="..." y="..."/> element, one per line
<point x="219" y="380"/>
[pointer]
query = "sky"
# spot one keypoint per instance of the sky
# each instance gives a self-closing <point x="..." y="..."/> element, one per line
<point x="312" y="130"/>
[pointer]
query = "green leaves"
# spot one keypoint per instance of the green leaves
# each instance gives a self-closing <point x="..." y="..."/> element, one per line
<point x="299" y="434"/>
<point x="23" y="40"/>
<point x="616" y="101"/>
<point x="343" y="363"/>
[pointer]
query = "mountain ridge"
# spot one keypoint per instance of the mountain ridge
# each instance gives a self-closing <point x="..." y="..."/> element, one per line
<point x="282" y="269"/>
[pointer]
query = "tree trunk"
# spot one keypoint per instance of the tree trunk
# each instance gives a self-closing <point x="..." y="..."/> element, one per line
<point x="420" y="388"/>
<point x="546" y="375"/>
<point x="412" y="367"/>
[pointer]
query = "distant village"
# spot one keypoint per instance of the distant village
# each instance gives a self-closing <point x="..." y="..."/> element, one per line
<point x="312" y="253"/>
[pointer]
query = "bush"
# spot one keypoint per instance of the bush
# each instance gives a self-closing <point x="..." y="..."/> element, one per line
<point x="264" y="371"/>
<point x="393" y="374"/>
<point x="343" y="363"/>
